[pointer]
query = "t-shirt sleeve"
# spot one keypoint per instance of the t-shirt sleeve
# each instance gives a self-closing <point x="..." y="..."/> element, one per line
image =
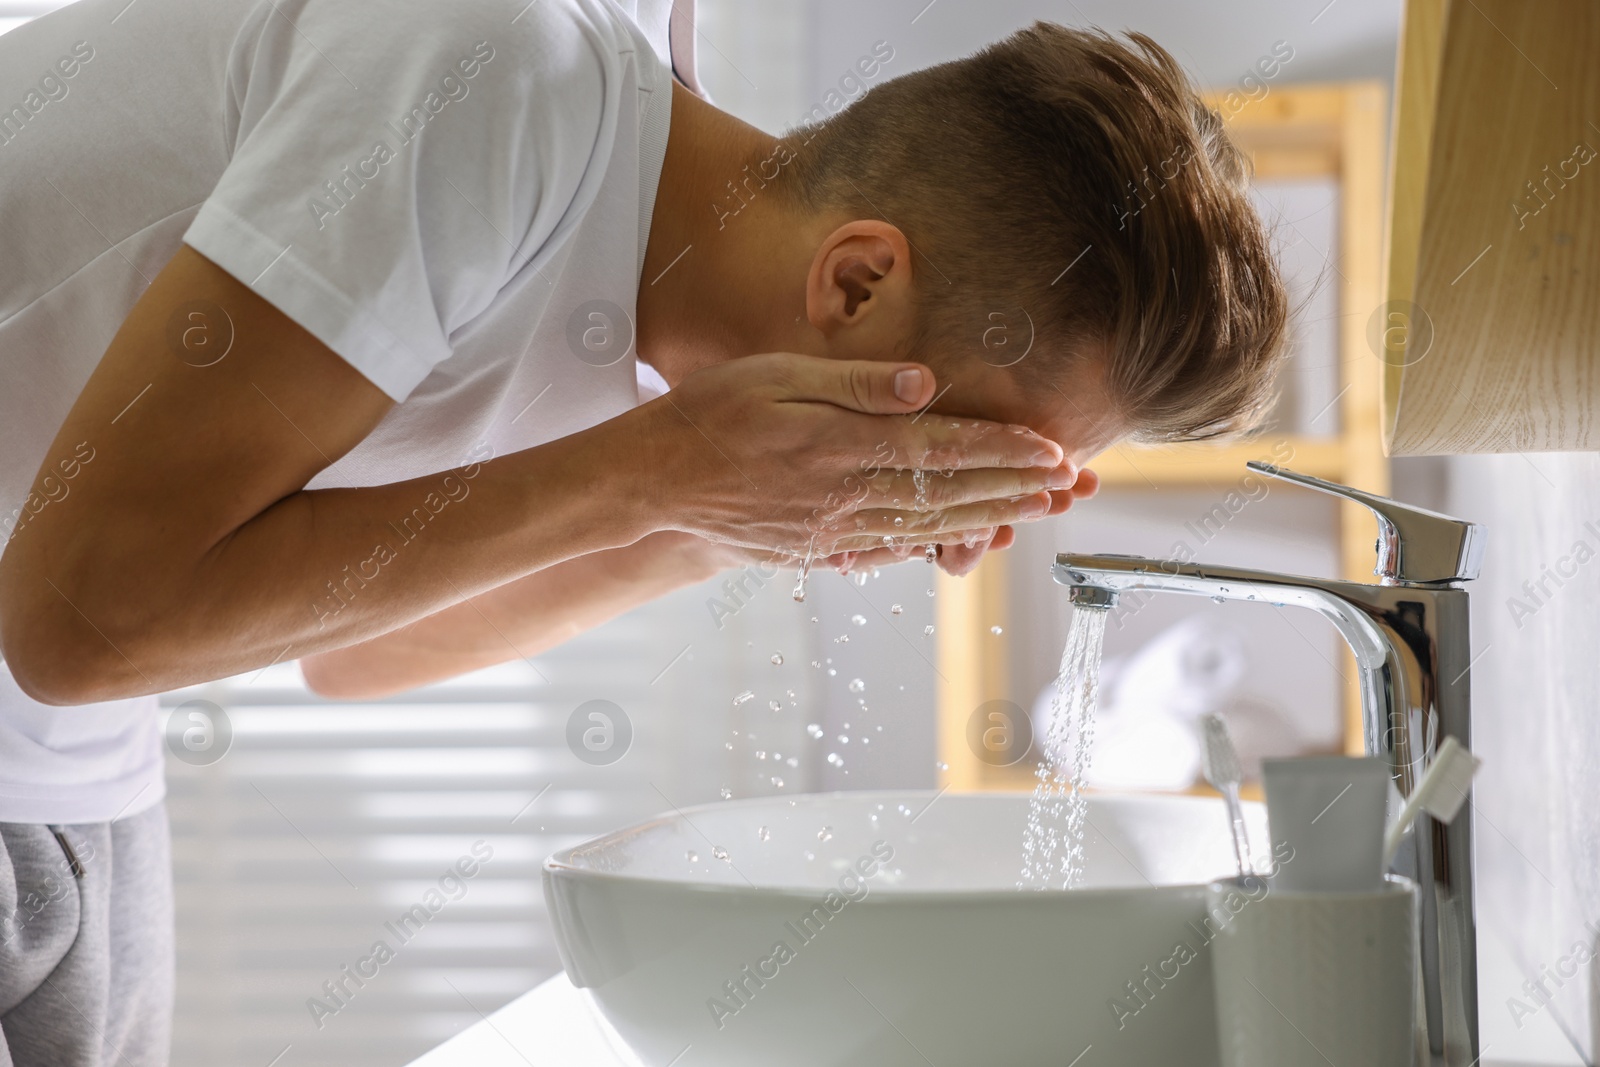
<point x="395" y="165"/>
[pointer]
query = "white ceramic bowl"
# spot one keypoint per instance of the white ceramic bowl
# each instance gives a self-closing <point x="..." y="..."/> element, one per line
<point x="885" y="928"/>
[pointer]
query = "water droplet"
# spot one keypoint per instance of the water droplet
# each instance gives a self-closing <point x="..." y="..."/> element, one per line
<point x="777" y="659"/>
<point x="832" y="673"/>
<point x="777" y="783"/>
<point x="792" y="761"/>
<point x="940" y="765"/>
<point x="927" y="631"/>
<point x="692" y="856"/>
<point x="930" y="592"/>
<point x="814" y="730"/>
<point x="904" y="810"/>
<point x="761" y="753"/>
<point x="744" y="697"/>
<point x="725" y="793"/>
<point x="817" y="664"/>
<point x="898" y="521"/>
<point x="895" y="609"/>
<point x="774" y="705"/>
<point x="763" y="834"/>
<point x="857" y="685"/>
<point x="810" y="855"/>
<point x="1219" y="600"/>
<point x="728" y="745"/>
<point x="721" y="853"/>
<point x="844" y="739"/>
<point x="842" y="639"/>
<point x="859" y="620"/>
<point x="835" y="760"/>
<point x="825" y="834"/>
<point x="931" y="554"/>
<point x="997" y="631"/>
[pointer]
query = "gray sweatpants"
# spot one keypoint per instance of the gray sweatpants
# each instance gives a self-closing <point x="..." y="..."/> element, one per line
<point x="86" y="951"/>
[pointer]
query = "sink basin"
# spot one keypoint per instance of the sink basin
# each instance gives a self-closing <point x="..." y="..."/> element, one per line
<point x="886" y="928"/>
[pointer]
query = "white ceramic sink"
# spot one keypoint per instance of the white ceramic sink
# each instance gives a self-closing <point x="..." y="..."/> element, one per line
<point x="784" y="954"/>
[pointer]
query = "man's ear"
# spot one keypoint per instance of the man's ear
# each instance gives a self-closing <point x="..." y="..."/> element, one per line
<point x="860" y="275"/>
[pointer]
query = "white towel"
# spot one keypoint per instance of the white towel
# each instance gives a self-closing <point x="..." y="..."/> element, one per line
<point x="1190" y="669"/>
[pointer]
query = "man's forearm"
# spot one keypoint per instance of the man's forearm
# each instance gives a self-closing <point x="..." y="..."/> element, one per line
<point x="325" y="569"/>
<point x="515" y="621"/>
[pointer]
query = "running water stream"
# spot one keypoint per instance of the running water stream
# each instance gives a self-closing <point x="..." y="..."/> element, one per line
<point x="1052" y="843"/>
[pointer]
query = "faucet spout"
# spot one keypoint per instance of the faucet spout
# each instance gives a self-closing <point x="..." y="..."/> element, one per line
<point x="1335" y="600"/>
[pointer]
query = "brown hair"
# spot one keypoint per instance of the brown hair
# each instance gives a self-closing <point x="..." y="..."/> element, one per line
<point x="1083" y="180"/>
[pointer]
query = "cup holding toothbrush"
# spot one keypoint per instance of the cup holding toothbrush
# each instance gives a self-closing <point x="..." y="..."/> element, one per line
<point x="1308" y="979"/>
<point x="1320" y="965"/>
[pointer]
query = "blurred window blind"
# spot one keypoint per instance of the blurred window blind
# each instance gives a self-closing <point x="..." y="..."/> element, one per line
<point x="326" y="823"/>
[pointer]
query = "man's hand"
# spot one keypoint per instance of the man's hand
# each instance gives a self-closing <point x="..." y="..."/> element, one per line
<point x="960" y="554"/>
<point x="794" y="453"/>
<point x="957" y="555"/>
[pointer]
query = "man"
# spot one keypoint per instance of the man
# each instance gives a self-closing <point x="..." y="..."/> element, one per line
<point x="406" y="340"/>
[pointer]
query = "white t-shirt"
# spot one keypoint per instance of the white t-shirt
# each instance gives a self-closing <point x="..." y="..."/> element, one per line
<point x="453" y="196"/>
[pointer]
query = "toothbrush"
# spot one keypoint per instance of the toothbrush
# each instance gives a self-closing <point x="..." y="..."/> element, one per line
<point x="1220" y="763"/>
<point x="1440" y="793"/>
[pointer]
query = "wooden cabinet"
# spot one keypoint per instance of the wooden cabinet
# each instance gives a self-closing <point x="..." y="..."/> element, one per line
<point x="1491" y="323"/>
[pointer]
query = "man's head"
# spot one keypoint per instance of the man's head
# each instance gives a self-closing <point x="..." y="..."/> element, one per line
<point x="1057" y="222"/>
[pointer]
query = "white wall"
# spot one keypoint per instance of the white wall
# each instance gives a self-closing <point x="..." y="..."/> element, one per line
<point x="1536" y="694"/>
<point x="1217" y="43"/>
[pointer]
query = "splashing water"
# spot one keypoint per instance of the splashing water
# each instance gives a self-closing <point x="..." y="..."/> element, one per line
<point x="1052" y="844"/>
<point x="804" y="572"/>
<point x="919" y="481"/>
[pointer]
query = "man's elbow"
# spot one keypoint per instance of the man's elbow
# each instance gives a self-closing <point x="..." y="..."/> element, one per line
<point x="53" y="674"/>
<point x="329" y="675"/>
<point x="61" y="662"/>
<point x="322" y="678"/>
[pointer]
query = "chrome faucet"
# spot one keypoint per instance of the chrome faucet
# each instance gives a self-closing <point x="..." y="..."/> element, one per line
<point x="1409" y="635"/>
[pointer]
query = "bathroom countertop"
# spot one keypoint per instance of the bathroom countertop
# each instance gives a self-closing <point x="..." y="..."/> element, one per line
<point x="552" y="1026"/>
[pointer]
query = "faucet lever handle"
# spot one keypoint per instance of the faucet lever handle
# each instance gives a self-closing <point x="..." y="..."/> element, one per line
<point x="1415" y="545"/>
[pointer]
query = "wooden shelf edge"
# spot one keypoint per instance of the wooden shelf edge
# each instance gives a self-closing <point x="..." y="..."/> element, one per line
<point x="1162" y="466"/>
